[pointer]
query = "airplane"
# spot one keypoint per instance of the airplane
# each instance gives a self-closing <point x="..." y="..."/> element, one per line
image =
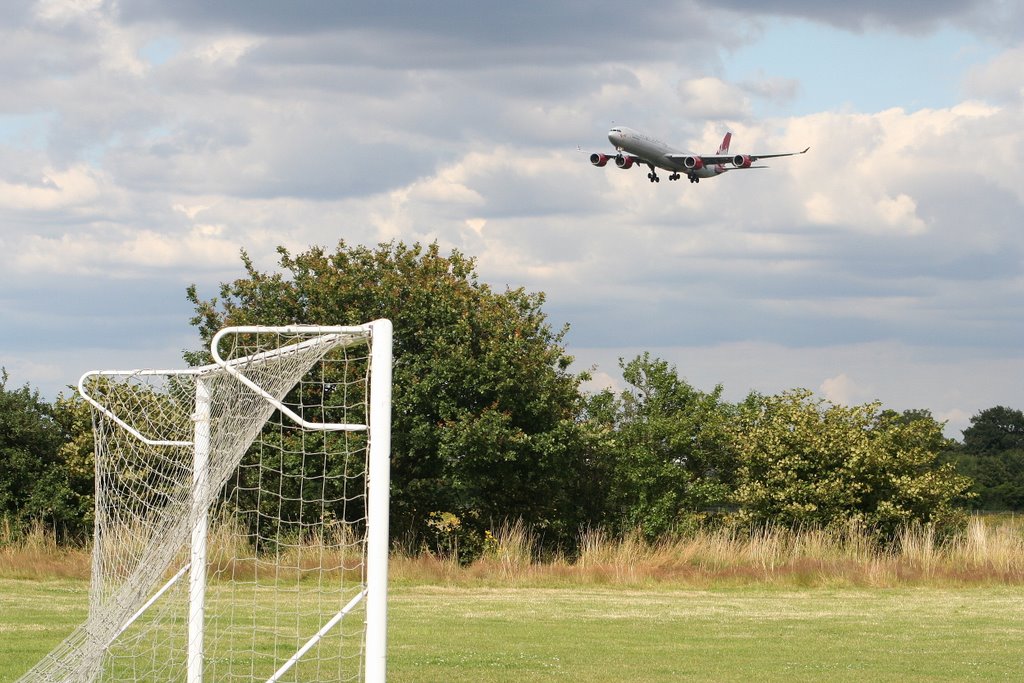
<point x="635" y="148"/>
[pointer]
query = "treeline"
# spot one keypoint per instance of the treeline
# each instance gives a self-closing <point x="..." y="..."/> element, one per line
<point x="490" y="425"/>
<point x="992" y="455"/>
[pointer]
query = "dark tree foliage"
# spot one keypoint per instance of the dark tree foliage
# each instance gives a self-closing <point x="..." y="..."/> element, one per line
<point x="484" y="407"/>
<point x="995" y="430"/>
<point x="41" y="479"/>
<point x="992" y="455"/>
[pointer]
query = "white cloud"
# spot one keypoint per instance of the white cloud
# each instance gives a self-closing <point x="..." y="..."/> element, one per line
<point x="116" y="47"/>
<point x="821" y="209"/>
<point x="125" y="254"/>
<point x="448" y="186"/>
<point x="63" y="11"/>
<point x="55" y="190"/>
<point x="225" y="51"/>
<point x="599" y="381"/>
<point x="1001" y="80"/>
<point x="900" y="212"/>
<point x="865" y="172"/>
<point x="841" y="390"/>
<point x="711" y="98"/>
<point x="190" y="211"/>
<point x="477" y="225"/>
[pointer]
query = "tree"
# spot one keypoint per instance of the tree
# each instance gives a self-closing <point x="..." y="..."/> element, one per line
<point x="77" y="464"/>
<point x="998" y="478"/>
<point x="806" y="461"/>
<point x="484" y="407"/>
<point x="34" y="479"/>
<point x="667" y="447"/>
<point x="992" y="455"/>
<point x="995" y="430"/>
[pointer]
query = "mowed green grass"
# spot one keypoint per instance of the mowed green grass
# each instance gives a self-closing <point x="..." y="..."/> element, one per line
<point x="439" y="633"/>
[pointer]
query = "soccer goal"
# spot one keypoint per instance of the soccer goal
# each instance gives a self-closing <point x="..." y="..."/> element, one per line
<point x="241" y="518"/>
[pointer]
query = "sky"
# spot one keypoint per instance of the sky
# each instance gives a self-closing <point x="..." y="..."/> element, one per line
<point x="144" y="143"/>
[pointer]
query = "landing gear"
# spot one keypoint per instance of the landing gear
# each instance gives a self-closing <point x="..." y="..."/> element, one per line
<point x="674" y="176"/>
<point x="694" y="178"/>
<point x="653" y="175"/>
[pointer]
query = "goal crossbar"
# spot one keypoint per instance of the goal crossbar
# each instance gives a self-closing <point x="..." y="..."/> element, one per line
<point x="347" y="334"/>
<point x="234" y="369"/>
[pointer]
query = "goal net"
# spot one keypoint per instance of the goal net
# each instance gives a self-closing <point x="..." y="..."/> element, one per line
<point x="241" y="528"/>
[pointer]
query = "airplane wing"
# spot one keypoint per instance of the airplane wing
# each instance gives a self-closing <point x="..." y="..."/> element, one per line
<point x="755" y="157"/>
<point x="715" y="159"/>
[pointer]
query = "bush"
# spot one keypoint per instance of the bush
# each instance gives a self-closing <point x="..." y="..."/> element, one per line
<point x="803" y="461"/>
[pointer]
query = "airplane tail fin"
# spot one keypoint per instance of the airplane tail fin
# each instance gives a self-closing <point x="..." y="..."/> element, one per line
<point x="724" y="147"/>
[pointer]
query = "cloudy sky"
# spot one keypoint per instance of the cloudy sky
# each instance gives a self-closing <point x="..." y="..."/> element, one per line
<point x="144" y="142"/>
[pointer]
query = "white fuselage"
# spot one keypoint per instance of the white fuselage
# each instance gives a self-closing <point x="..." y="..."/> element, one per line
<point x="653" y="151"/>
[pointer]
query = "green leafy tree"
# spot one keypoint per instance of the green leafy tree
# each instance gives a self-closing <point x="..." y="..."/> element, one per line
<point x="992" y="455"/>
<point x="77" y="464"/>
<point x="29" y="439"/>
<point x="666" y="448"/>
<point x="995" y="430"/>
<point x="998" y="478"/>
<point x="806" y="461"/>
<point x="35" y="484"/>
<point x="484" y="407"/>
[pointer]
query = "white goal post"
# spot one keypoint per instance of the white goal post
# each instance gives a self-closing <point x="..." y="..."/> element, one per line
<point x="263" y="478"/>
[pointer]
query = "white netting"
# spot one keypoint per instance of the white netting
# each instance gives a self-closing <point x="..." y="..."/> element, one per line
<point x="280" y="509"/>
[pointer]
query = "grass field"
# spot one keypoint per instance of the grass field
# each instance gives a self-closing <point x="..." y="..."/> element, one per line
<point x="466" y="633"/>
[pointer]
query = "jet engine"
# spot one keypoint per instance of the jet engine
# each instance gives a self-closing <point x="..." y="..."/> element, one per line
<point x="741" y="161"/>
<point x="623" y="161"/>
<point x="598" y="159"/>
<point x="693" y="163"/>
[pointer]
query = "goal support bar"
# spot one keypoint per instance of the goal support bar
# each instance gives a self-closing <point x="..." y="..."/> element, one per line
<point x="316" y="638"/>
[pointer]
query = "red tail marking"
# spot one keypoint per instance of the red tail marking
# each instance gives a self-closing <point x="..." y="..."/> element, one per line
<point x="724" y="148"/>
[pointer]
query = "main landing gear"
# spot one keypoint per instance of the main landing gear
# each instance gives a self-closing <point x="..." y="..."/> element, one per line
<point x="653" y="175"/>
<point x="694" y="178"/>
<point x="674" y="176"/>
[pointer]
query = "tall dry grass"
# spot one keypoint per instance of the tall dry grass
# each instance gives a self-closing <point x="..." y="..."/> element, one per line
<point x="989" y="551"/>
<point x="36" y="554"/>
<point x="984" y="553"/>
<point x="508" y="556"/>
